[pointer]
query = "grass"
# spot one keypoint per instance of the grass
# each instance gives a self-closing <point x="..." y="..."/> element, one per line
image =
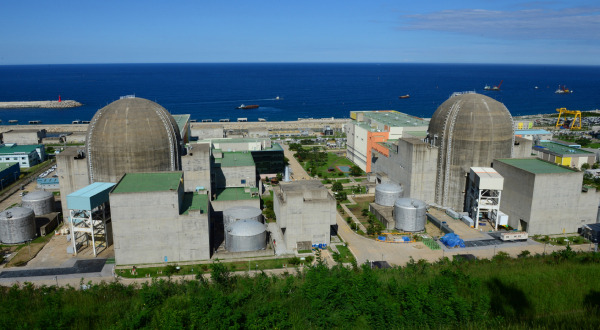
<point x="356" y="209"/>
<point x="206" y="268"/>
<point x="345" y="254"/>
<point x="333" y="160"/>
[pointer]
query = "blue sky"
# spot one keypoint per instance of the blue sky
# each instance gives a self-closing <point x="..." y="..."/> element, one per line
<point x="427" y="31"/>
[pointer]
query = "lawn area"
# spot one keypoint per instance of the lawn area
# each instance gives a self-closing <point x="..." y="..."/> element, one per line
<point x="206" y="268"/>
<point x="333" y="160"/>
<point x="356" y="209"/>
<point x="344" y="256"/>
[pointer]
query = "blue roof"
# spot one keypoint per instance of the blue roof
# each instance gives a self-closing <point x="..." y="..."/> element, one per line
<point x="47" y="181"/>
<point x="531" y="131"/>
<point x="90" y="197"/>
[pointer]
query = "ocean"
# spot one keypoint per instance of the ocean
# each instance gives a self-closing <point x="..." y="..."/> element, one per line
<point x="291" y="91"/>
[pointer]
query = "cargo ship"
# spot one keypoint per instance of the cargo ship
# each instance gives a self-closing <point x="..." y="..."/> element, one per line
<point x="563" y="90"/>
<point x="249" y="106"/>
<point x="404" y="96"/>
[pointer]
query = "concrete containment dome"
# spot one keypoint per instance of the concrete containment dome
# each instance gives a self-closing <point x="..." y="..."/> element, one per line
<point x="245" y="235"/>
<point x="17" y="225"/>
<point x="41" y="202"/>
<point x="470" y="130"/>
<point x="132" y="135"/>
<point x="410" y="214"/>
<point x="387" y="193"/>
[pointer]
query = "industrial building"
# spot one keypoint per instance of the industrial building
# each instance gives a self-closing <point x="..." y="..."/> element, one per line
<point x="25" y="155"/>
<point x="24" y="136"/>
<point x="534" y="134"/>
<point x="564" y="155"/>
<point x="466" y="130"/>
<point x="139" y="183"/>
<point x="543" y="198"/>
<point x="371" y="127"/>
<point x="154" y="220"/>
<point x="305" y="212"/>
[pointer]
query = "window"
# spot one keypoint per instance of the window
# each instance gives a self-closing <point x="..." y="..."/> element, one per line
<point x="243" y="181"/>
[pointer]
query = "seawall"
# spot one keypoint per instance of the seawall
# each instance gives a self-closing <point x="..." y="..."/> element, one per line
<point x="40" y="104"/>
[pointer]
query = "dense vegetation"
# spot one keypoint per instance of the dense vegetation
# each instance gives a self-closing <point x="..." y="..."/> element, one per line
<point x="556" y="291"/>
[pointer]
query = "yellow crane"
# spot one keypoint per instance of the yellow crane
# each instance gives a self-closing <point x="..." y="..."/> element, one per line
<point x="577" y="114"/>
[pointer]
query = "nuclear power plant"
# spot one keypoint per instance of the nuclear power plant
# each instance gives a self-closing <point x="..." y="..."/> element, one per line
<point x="156" y="191"/>
<point x="141" y="185"/>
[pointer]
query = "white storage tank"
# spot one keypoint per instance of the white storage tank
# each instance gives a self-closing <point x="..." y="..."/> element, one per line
<point x="245" y="235"/>
<point x="237" y="213"/>
<point x="17" y="225"/>
<point x="387" y="193"/>
<point x="41" y="202"/>
<point x="410" y="214"/>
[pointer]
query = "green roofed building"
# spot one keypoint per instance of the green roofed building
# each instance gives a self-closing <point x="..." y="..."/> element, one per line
<point x="9" y="173"/>
<point x="156" y="221"/>
<point x="232" y="169"/>
<point x="543" y="198"/>
<point x="25" y="155"/>
<point x="562" y="154"/>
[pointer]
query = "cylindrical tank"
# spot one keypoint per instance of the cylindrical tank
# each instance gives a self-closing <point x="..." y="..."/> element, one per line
<point x="387" y="193"/>
<point x="237" y="213"/>
<point x="410" y="214"/>
<point x="17" y="225"/>
<point x="41" y="202"/>
<point x="245" y="235"/>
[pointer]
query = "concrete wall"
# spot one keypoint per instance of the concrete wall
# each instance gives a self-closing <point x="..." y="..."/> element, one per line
<point x="72" y="174"/>
<point x="412" y="164"/>
<point x="147" y="227"/>
<point x="220" y="206"/>
<point x="227" y="177"/>
<point x="196" y="167"/>
<point x="203" y="132"/>
<point x="26" y="136"/>
<point x="522" y="148"/>
<point x="304" y="214"/>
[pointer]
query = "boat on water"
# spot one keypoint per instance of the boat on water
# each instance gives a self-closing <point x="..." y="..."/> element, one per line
<point x="76" y="121"/>
<point x="249" y="106"/>
<point x="493" y="88"/>
<point x="13" y="121"/>
<point x="35" y="122"/>
<point x="404" y="96"/>
<point x="563" y="90"/>
<point x="207" y="120"/>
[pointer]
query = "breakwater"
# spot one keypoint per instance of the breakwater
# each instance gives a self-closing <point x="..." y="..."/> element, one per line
<point x="40" y="104"/>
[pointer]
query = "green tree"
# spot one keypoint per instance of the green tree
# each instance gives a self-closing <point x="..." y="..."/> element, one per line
<point x="585" y="166"/>
<point x="355" y="171"/>
<point x="596" y="165"/>
<point x="337" y="186"/>
<point x="341" y="196"/>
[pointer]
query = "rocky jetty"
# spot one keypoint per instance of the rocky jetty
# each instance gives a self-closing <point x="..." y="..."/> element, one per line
<point x="40" y="104"/>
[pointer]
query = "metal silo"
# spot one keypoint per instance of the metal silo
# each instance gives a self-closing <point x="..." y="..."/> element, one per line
<point x="387" y="193"/>
<point x="237" y="213"/>
<point x="245" y="235"/>
<point x="17" y="225"/>
<point x="41" y="202"/>
<point x="409" y="214"/>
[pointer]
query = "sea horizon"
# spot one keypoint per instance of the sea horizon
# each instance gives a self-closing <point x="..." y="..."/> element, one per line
<point x="288" y="91"/>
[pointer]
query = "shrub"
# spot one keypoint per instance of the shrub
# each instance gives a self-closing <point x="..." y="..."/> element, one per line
<point x="294" y="261"/>
<point x="524" y="254"/>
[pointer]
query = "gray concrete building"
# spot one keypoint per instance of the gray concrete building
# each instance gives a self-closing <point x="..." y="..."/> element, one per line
<point x="72" y="171"/>
<point x="409" y="162"/>
<point x="542" y="198"/>
<point x="156" y="221"/>
<point x="196" y="164"/>
<point x="305" y="212"/>
<point x="24" y="136"/>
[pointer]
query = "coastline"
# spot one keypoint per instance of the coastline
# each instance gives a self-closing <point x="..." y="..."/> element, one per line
<point x="40" y="104"/>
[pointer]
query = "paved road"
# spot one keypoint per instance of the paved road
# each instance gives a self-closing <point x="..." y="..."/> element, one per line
<point x="298" y="172"/>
